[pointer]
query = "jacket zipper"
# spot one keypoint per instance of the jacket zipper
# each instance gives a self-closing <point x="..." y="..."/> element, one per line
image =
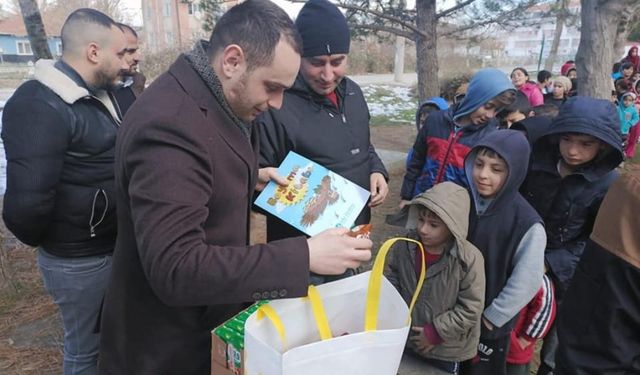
<point x="453" y="139"/>
<point x="92" y="226"/>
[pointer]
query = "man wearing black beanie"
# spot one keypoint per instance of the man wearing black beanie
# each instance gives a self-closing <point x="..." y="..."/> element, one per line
<point x="324" y="116"/>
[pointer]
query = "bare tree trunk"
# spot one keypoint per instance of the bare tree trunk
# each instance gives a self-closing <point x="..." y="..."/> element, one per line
<point x="35" y="29"/>
<point x="600" y="26"/>
<point x="560" y="19"/>
<point x="398" y="61"/>
<point x="426" y="49"/>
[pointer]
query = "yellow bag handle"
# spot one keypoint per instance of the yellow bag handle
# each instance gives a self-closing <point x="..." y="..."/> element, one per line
<point x="267" y="311"/>
<point x="375" y="283"/>
<point x="322" y="323"/>
<point x="319" y="314"/>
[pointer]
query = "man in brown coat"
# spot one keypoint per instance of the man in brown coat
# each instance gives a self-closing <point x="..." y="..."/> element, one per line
<point x="186" y="169"/>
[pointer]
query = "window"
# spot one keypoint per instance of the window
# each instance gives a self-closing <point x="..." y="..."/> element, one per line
<point x="24" y="48"/>
<point x="59" y="48"/>
<point x="193" y="8"/>
<point x="167" y="8"/>
<point x="169" y="38"/>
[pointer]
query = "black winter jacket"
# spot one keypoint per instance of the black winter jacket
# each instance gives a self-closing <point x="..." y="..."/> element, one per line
<point x="59" y="140"/>
<point x="569" y="205"/>
<point x="312" y="126"/>
<point x="599" y="320"/>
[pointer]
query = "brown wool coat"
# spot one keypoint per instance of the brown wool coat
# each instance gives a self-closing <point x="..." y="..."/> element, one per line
<point x="185" y="175"/>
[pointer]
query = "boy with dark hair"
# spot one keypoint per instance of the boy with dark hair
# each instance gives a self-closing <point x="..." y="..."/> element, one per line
<point x="446" y="318"/>
<point x="447" y="136"/>
<point x="519" y="110"/>
<point x="572" y="166"/>
<point x="544" y="82"/>
<point x="510" y="235"/>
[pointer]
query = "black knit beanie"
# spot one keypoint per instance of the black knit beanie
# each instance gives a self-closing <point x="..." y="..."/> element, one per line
<point x="323" y="28"/>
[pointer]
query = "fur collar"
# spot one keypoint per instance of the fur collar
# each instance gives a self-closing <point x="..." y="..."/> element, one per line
<point x="66" y="88"/>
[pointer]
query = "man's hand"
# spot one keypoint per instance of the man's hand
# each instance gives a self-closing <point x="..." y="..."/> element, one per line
<point x="269" y="174"/>
<point x="420" y="340"/>
<point x="403" y="203"/>
<point x="332" y="252"/>
<point x="379" y="189"/>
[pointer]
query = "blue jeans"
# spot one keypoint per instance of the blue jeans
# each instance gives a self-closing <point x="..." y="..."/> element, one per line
<point x="77" y="286"/>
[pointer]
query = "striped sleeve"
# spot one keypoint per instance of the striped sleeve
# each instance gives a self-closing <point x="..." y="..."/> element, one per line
<point x="542" y="311"/>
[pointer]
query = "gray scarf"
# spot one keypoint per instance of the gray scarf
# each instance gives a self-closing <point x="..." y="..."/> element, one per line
<point x="199" y="60"/>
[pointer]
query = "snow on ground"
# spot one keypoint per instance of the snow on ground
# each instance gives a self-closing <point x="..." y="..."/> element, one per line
<point x="393" y="102"/>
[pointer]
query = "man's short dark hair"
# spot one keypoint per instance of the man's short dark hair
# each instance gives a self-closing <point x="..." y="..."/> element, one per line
<point x="543" y="75"/>
<point x="125" y="27"/>
<point x="86" y="16"/>
<point x="256" y="26"/>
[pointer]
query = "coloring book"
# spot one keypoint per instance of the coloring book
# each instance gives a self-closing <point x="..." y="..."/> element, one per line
<point x="315" y="198"/>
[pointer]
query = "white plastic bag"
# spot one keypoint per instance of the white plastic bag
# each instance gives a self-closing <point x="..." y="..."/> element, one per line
<point x="358" y="325"/>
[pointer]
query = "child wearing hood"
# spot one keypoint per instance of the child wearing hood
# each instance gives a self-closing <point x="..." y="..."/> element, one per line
<point x="446" y="317"/>
<point x="430" y="105"/>
<point x="572" y="167"/>
<point x="448" y="135"/>
<point x="511" y="238"/>
<point x="633" y="58"/>
<point x="628" y="114"/>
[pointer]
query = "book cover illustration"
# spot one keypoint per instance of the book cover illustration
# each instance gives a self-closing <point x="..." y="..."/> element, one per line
<point x="315" y="198"/>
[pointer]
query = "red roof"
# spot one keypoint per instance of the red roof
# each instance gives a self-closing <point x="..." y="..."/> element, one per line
<point x="14" y="25"/>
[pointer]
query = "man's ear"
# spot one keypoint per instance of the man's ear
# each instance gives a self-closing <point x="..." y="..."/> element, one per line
<point x="93" y="53"/>
<point x="233" y="60"/>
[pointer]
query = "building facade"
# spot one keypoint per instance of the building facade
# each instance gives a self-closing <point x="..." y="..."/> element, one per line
<point x="173" y="24"/>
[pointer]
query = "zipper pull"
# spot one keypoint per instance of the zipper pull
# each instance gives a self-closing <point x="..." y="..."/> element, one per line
<point x="344" y="118"/>
<point x="330" y="114"/>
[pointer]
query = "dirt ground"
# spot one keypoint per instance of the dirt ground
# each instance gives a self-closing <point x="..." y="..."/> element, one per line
<point x="30" y="331"/>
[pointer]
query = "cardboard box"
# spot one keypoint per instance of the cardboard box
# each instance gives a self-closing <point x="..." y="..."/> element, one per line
<point x="216" y="369"/>
<point x="224" y="358"/>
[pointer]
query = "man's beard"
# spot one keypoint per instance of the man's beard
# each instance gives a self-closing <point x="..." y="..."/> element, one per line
<point x="105" y="82"/>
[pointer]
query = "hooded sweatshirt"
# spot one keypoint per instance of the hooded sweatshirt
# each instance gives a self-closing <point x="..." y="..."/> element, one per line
<point x="441" y="145"/>
<point x="628" y="115"/>
<point x="509" y="233"/>
<point x="569" y="205"/>
<point x="600" y="316"/>
<point x="452" y="298"/>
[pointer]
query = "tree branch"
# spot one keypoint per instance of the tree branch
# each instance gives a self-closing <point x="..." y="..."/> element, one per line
<point x="501" y="17"/>
<point x="403" y="23"/>
<point x="387" y="29"/>
<point x="453" y="9"/>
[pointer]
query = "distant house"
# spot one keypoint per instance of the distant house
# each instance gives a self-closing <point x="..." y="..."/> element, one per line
<point x="14" y="42"/>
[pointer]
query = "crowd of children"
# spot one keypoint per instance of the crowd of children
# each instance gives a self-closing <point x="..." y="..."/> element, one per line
<point x="502" y="189"/>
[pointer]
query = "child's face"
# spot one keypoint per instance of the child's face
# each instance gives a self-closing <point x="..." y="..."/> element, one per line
<point x="627" y="73"/>
<point x="558" y="90"/>
<point x="573" y="74"/>
<point x="636" y="76"/>
<point x="489" y="175"/>
<point x="433" y="232"/>
<point x="518" y="78"/>
<point x="627" y="101"/>
<point x="579" y="149"/>
<point x="513" y="117"/>
<point x="484" y="113"/>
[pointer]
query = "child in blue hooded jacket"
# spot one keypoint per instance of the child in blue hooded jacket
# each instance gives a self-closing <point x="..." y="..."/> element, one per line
<point x="448" y="135"/>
